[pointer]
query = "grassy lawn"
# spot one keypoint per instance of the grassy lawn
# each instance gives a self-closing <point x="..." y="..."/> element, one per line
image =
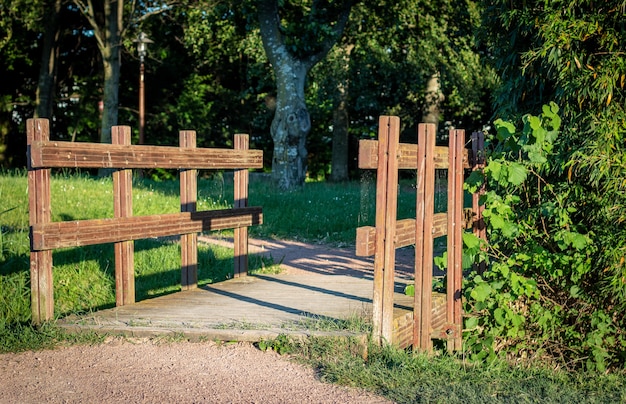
<point x="319" y="213"/>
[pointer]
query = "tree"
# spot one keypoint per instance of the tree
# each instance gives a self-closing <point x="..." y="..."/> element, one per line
<point x="106" y="20"/>
<point x="423" y="66"/>
<point x="49" y="59"/>
<point x="293" y="47"/>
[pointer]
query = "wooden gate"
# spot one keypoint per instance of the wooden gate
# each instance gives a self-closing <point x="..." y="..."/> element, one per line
<point x="434" y="316"/>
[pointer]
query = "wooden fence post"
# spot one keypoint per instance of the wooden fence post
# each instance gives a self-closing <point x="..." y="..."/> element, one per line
<point x="41" y="283"/>
<point x="455" y="235"/>
<point x="425" y="209"/>
<point x="123" y="207"/>
<point x="188" y="203"/>
<point x="241" y="178"/>
<point x="386" y="212"/>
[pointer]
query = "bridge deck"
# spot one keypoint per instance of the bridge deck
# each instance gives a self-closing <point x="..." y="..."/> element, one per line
<point x="245" y="309"/>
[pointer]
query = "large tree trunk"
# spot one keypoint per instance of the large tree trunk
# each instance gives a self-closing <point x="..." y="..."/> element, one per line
<point x="292" y="121"/>
<point x="107" y="25"/>
<point x="110" y="48"/>
<point x="49" y="56"/>
<point x="291" y="125"/>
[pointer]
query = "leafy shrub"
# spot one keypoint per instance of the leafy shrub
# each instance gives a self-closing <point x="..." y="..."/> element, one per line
<point x="540" y="297"/>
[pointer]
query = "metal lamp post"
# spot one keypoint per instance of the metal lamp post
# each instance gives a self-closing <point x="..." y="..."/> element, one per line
<point x="142" y="46"/>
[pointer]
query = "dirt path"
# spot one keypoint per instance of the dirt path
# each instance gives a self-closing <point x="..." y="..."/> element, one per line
<point x="142" y="371"/>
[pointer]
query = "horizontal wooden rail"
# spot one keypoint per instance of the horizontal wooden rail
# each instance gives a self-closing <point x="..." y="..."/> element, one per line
<point x="49" y="236"/>
<point x="50" y="154"/>
<point x="368" y="156"/>
<point x="405" y="233"/>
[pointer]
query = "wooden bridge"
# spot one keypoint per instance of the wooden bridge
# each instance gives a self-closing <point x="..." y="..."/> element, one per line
<point x="321" y="288"/>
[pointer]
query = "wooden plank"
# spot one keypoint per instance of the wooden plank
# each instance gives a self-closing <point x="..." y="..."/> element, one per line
<point x="188" y="203"/>
<point x="123" y="208"/>
<point x="420" y="213"/>
<point x="41" y="282"/>
<point x="452" y="246"/>
<point x="391" y="215"/>
<point x="405" y="232"/>
<point x="368" y="156"/>
<point x="48" y="236"/>
<point x="423" y="296"/>
<point x="241" y="178"/>
<point x="98" y="155"/>
<point x="381" y="210"/>
<point x="455" y="294"/>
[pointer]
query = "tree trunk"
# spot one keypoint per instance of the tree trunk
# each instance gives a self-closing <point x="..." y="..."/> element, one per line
<point x="110" y="49"/>
<point x="341" y="122"/>
<point x="434" y="99"/>
<point x="49" y="56"/>
<point x="291" y="125"/>
<point x="292" y="121"/>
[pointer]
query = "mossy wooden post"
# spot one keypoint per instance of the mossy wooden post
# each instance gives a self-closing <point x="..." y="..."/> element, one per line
<point x="41" y="284"/>
<point x="123" y="208"/>
<point x="386" y="212"/>
<point x="241" y="177"/>
<point x="425" y="208"/>
<point x="455" y="236"/>
<point x="188" y="203"/>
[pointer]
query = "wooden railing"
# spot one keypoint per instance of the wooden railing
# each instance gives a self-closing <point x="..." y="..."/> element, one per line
<point x="387" y="155"/>
<point x="124" y="228"/>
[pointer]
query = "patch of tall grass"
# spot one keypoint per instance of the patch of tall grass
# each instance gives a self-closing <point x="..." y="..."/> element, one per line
<point x="406" y="377"/>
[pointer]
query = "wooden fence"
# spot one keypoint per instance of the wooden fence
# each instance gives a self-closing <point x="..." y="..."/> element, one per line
<point x="124" y="228"/>
<point x="434" y="315"/>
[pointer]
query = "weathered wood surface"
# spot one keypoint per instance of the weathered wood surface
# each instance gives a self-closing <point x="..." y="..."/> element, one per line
<point x="51" y="154"/>
<point x="39" y="205"/>
<point x="123" y="208"/>
<point x="245" y="309"/>
<point x="188" y="203"/>
<point x="407" y="156"/>
<point x="405" y="232"/>
<point x="47" y="236"/>
<point x="241" y="179"/>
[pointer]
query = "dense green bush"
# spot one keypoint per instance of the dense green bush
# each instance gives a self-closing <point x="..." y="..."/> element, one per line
<point x="545" y="294"/>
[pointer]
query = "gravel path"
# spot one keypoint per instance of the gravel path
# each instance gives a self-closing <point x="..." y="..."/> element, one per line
<point x="140" y="371"/>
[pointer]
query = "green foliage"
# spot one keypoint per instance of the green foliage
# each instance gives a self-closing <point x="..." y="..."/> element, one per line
<point x="281" y="345"/>
<point x="540" y="296"/>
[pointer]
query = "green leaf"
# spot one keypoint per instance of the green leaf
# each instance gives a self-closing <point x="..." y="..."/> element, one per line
<point x="481" y="292"/>
<point x="517" y="173"/>
<point x="471" y="322"/>
<point x="498" y="314"/>
<point x="505" y="129"/>
<point x="409" y="290"/>
<point x="471" y="240"/>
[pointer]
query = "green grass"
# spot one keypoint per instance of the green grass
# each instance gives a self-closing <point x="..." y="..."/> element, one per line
<point x="320" y="212"/>
<point x="406" y="377"/>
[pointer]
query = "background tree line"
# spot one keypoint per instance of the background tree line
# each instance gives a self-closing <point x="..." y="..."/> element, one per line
<point x="208" y="70"/>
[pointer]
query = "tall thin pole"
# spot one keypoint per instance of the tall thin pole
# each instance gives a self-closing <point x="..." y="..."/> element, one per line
<point x="141" y="101"/>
